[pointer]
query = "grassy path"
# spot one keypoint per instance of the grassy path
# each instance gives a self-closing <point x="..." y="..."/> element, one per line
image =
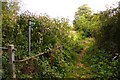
<point x="86" y="69"/>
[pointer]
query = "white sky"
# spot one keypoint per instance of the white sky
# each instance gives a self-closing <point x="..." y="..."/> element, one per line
<point x="63" y="8"/>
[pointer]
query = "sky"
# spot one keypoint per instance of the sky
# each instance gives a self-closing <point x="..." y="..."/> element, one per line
<point x="63" y="8"/>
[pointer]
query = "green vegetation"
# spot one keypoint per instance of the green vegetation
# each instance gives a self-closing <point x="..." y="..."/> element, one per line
<point x="85" y="50"/>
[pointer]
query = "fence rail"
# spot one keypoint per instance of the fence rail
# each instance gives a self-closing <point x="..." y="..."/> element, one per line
<point x="3" y="48"/>
<point x="32" y="57"/>
<point x="11" y="50"/>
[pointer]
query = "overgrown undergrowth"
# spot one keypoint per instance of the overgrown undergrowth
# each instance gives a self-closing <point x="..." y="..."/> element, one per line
<point x="101" y="63"/>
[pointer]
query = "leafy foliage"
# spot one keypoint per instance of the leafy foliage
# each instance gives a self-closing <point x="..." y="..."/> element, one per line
<point x="100" y="56"/>
<point x="109" y="31"/>
<point x="86" y="23"/>
<point x="63" y="44"/>
<point x="47" y="35"/>
<point x="104" y="27"/>
<point x="102" y="65"/>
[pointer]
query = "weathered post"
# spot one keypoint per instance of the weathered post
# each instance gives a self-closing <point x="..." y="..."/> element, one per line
<point x="29" y="36"/>
<point x="30" y="24"/>
<point x="11" y="60"/>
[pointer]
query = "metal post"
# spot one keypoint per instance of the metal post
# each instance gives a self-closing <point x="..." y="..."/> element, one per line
<point x="29" y="37"/>
<point x="11" y="61"/>
<point x="119" y="4"/>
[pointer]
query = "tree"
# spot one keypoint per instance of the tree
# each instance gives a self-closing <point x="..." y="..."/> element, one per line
<point x="109" y="31"/>
<point x="83" y="10"/>
<point x="84" y="20"/>
<point x="9" y="12"/>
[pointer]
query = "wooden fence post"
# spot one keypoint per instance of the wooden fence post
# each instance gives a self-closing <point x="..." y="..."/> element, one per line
<point x="11" y="61"/>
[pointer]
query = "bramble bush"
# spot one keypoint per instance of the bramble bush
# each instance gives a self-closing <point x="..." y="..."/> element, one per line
<point x="47" y="35"/>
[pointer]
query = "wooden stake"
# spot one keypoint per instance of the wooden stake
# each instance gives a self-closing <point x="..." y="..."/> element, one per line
<point x="11" y="60"/>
